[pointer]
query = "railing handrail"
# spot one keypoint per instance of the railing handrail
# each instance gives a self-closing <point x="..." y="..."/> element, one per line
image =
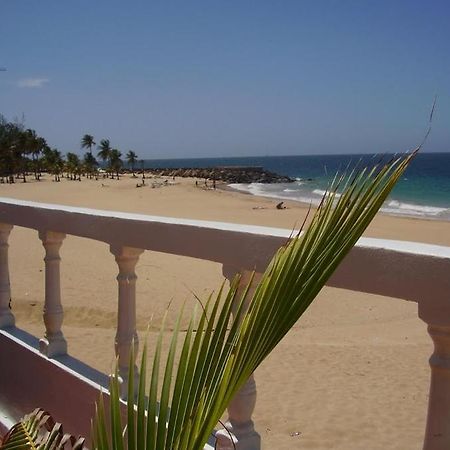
<point x="411" y="247"/>
<point x="243" y="247"/>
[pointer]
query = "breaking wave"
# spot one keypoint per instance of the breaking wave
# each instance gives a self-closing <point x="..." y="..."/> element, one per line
<point x="313" y="196"/>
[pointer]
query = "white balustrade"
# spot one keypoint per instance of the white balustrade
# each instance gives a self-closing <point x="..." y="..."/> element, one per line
<point x="6" y="316"/>
<point x="53" y="344"/>
<point x="411" y="271"/>
<point x="126" y="336"/>
<point x="240" y="427"/>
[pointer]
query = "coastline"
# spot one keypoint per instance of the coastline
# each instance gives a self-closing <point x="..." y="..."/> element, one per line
<point x="392" y="207"/>
<point x="338" y="378"/>
<point x="305" y="204"/>
<point x="424" y="191"/>
<point x="181" y="198"/>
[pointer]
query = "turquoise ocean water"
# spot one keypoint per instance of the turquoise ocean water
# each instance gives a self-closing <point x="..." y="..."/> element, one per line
<point x="424" y="190"/>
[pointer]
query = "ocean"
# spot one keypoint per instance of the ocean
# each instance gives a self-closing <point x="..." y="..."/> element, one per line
<point x="423" y="191"/>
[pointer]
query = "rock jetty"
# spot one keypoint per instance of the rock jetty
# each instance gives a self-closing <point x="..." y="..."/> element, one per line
<point x="231" y="174"/>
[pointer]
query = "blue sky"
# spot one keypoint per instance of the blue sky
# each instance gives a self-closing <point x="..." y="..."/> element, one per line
<point x="228" y="78"/>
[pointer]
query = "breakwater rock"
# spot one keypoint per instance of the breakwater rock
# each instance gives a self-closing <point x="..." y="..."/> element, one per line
<point x="232" y="174"/>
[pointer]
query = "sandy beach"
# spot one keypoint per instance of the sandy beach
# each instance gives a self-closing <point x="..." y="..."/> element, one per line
<point x="352" y="374"/>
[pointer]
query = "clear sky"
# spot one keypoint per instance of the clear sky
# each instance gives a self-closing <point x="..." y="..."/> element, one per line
<point x="228" y="78"/>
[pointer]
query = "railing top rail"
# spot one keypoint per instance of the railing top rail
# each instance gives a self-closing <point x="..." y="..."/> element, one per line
<point x="224" y="226"/>
<point x="408" y="270"/>
<point x="417" y="248"/>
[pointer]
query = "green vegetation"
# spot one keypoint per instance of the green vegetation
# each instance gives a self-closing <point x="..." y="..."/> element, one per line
<point x="38" y="431"/>
<point x="188" y="393"/>
<point x="104" y="150"/>
<point x="131" y="160"/>
<point x="89" y="161"/>
<point x="115" y="163"/>
<point x="23" y="151"/>
<point x="20" y="150"/>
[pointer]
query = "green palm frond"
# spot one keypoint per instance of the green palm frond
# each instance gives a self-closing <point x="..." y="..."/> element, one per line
<point x="221" y="349"/>
<point x="38" y="431"/>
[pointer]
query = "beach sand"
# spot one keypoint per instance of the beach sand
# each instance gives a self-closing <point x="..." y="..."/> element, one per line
<point x="353" y="372"/>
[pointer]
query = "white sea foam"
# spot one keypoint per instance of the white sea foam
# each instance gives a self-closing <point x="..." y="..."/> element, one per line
<point x="273" y="191"/>
<point x="279" y="191"/>
<point x="409" y="209"/>
<point x="322" y="193"/>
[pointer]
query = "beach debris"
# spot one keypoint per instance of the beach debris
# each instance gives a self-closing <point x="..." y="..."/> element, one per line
<point x="295" y="433"/>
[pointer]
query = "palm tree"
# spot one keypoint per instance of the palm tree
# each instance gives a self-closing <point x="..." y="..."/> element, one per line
<point x="53" y="162"/>
<point x="87" y="141"/>
<point x="10" y="149"/>
<point x="115" y="163"/>
<point x="105" y="150"/>
<point x="58" y="164"/>
<point x="16" y="144"/>
<point x="190" y="391"/>
<point x="73" y="166"/>
<point x="37" y="148"/>
<point x="90" y="164"/>
<point x="131" y="160"/>
<point x="21" y="148"/>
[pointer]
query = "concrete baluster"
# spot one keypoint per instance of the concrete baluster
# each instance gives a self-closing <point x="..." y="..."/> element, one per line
<point x="53" y="343"/>
<point x="6" y="316"/>
<point x="434" y="310"/>
<point x="225" y="441"/>
<point x="240" y="409"/>
<point x="437" y="434"/>
<point x="126" y="258"/>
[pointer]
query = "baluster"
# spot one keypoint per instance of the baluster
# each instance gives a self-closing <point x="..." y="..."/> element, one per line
<point x="126" y="258"/>
<point x="225" y="441"/>
<point x="435" y="312"/>
<point x="241" y="408"/>
<point x="437" y="435"/>
<point x="53" y="343"/>
<point x="6" y="316"/>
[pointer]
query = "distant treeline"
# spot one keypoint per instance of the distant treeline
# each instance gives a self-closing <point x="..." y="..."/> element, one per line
<point x="24" y="152"/>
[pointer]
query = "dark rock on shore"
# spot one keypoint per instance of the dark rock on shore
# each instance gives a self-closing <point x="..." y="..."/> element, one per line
<point x="228" y="175"/>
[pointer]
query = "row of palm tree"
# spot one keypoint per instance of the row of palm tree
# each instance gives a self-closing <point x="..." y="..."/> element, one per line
<point x="111" y="157"/>
<point x="19" y="151"/>
<point x="23" y="151"/>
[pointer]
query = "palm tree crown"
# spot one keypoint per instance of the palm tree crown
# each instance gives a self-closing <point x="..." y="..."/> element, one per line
<point x="115" y="163"/>
<point x="131" y="159"/>
<point x="105" y="150"/>
<point x="87" y="141"/>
